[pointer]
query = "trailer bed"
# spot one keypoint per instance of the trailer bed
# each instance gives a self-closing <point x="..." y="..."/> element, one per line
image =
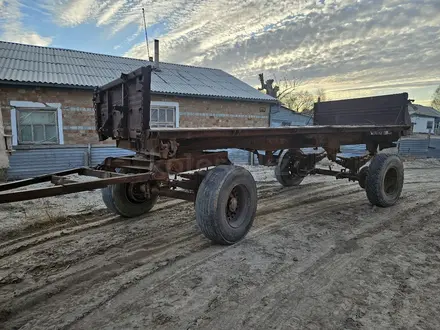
<point x="174" y="162"/>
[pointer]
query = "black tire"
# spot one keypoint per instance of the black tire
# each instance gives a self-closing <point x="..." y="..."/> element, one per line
<point x="285" y="169"/>
<point x="226" y="204"/>
<point x="385" y="178"/>
<point x="118" y="201"/>
<point x="363" y="173"/>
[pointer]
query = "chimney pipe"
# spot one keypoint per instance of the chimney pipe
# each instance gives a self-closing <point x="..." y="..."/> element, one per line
<point x="156" y="54"/>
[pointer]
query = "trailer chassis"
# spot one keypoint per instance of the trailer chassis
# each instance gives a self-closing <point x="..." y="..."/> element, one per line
<point x="174" y="162"/>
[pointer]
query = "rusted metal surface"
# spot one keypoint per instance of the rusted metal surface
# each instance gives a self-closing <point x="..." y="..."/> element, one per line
<point x="185" y="163"/>
<point x="37" y="179"/>
<point x="375" y="110"/>
<point x="179" y="194"/>
<point x="72" y="187"/>
<point x="123" y="113"/>
<point x="60" y="180"/>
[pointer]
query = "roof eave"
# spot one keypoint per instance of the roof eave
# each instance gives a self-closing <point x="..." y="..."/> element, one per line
<point x="41" y="84"/>
<point x="424" y="115"/>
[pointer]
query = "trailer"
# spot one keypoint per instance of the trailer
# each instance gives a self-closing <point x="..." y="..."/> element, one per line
<point x="174" y="162"/>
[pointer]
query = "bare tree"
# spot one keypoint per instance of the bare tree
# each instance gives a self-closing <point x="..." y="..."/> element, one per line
<point x="286" y="90"/>
<point x="299" y="101"/>
<point x="436" y="99"/>
<point x="282" y="87"/>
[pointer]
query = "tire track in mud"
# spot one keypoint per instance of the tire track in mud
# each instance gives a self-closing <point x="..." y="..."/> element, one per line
<point x="191" y="267"/>
<point x="312" y="281"/>
<point x="162" y="250"/>
<point x="18" y="244"/>
<point x="191" y="242"/>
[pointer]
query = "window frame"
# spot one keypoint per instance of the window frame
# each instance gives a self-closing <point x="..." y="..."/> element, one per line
<point x="38" y="110"/>
<point x="17" y="106"/>
<point x="430" y="122"/>
<point x="174" y="105"/>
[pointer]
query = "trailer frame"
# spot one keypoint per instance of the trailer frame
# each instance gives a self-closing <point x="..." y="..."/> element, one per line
<point x="174" y="162"/>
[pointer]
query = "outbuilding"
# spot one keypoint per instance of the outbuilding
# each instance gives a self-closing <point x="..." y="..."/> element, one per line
<point x="424" y="119"/>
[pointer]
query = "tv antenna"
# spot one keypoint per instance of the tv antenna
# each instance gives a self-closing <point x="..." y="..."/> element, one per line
<point x="146" y="33"/>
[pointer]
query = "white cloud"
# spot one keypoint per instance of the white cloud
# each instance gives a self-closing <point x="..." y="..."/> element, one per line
<point x="71" y="12"/>
<point x="109" y="12"/>
<point x="12" y="29"/>
<point x="344" y="46"/>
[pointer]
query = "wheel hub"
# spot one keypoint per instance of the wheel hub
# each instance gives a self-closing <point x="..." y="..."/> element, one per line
<point x="233" y="203"/>
<point x="234" y="207"/>
<point x="135" y="192"/>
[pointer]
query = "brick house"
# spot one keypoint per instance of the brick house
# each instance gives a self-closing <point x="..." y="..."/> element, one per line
<point x="47" y="118"/>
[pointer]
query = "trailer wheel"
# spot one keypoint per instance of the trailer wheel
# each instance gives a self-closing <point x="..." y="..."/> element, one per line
<point x="363" y="173"/>
<point x="126" y="200"/>
<point x="226" y="204"/>
<point x="384" y="182"/>
<point x="286" y="171"/>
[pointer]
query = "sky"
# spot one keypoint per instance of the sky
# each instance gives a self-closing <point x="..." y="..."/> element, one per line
<point x="348" y="48"/>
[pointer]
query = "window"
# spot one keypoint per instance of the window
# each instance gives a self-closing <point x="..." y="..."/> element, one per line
<point x="36" y="123"/>
<point x="429" y="125"/>
<point x="164" y="114"/>
<point x="37" y="126"/>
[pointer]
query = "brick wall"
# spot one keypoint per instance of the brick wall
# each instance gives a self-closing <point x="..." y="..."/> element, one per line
<point x="79" y="120"/>
<point x="198" y="112"/>
<point x="77" y="109"/>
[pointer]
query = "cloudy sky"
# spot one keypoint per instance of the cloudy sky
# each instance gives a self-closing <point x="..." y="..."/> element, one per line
<point x="349" y="48"/>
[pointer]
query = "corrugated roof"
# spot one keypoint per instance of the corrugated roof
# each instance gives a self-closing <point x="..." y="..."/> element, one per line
<point x="44" y="65"/>
<point x="424" y="111"/>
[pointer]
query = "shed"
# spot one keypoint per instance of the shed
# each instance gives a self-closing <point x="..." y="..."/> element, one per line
<point x="424" y="119"/>
<point x="281" y="115"/>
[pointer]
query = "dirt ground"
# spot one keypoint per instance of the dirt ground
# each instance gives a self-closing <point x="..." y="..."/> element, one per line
<point x="319" y="256"/>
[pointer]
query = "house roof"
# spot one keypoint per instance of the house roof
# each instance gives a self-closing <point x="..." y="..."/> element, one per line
<point x="278" y="108"/>
<point x="28" y="64"/>
<point x="423" y="111"/>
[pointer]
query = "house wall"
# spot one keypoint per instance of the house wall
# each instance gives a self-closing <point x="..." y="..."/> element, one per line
<point x="4" y="159"/>
<point x="79" y="121"/>
<point x="420" y="123"/>
<point x="281" y="117"/>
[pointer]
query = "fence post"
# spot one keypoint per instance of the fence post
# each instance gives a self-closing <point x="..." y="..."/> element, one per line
<point x="88" y="156"/>
<point x="251" y="158"/>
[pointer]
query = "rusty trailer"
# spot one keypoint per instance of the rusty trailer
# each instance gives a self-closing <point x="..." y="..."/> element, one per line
<point x="173" y="162"/>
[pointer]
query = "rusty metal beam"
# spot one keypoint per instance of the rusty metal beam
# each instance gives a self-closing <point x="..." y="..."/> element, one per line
<point x="37" y="179"/>
<point x="184" y="163"/>
<point x="231" y="132"/>
<point x="60" y="180"/>
<point x="177" y="194"/>
<point x="99" y="174"/>
<point x="193" y="162"/>
<point x="72" y="188"/>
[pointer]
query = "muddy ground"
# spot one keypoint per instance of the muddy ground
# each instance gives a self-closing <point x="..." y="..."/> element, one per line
<point x="319" y="256"/>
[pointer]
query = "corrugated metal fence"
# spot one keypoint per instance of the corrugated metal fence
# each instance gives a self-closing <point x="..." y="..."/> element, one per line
<point x="424" y="147"/>
<point x="29" y="162"/>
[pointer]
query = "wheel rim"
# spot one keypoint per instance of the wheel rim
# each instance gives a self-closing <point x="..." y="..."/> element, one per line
<point x="291" y="169"/>
<point x="235" y="206"/>
<point x="391" y="182"/>
<point x="135" y="193"/>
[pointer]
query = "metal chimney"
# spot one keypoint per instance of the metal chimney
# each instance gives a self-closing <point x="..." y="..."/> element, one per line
<point x="156" y="54"/>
